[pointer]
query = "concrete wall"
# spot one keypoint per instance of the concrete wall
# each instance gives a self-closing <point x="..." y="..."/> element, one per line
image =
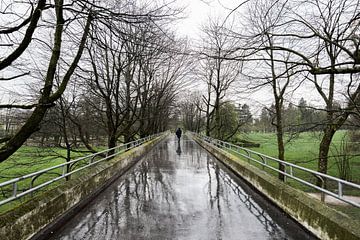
<point x="323" y="221"/>
<point x="38" y="216"/>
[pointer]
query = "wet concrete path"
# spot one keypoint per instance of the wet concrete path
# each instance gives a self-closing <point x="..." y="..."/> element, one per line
<point x="180" y="191"/>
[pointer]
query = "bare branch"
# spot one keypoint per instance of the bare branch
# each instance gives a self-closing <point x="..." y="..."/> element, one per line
<point x="27" y="38"/>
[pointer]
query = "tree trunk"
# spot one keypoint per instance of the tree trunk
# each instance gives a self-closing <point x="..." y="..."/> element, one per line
<point x="324" y="151"/>
<point x="329" y="130"/>
<point x="208" y="117"/>
<point x="281" y="148"/>
<point x="111" y="143"/>
<point x="68" y="159"/>
<point x="278" y="111"/>
<point x="142" y="121"/>
<point x="127" y="120"/>
<point x="217" y="97"/>
<point x="207" y="131"/>
<point x="217" y="118"/>
<point x="31" y="126"/>
<point x="279" y="134"/>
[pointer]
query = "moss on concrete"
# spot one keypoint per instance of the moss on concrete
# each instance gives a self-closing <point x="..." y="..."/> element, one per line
<point x="321" y="220"/>
<point x="23" y="221"/>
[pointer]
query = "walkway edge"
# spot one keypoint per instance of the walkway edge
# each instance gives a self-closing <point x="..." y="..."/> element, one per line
<point x="36" y="218"/>
<point x="323" y="221"/>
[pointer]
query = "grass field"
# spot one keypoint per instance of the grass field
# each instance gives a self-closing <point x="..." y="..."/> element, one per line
<point x="303" y="151"/>
<point x="28" y="160"/>
<point x="31" y="159"/>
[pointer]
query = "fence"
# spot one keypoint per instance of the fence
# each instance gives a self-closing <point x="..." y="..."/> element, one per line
<point x="64" y="170"/>
<point x="291" y="171"/>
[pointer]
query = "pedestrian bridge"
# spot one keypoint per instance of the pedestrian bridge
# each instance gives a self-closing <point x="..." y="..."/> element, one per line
<point x="178" y="190"/>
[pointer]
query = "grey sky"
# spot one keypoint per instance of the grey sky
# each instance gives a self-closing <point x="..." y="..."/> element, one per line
<point x="198" y="11"/>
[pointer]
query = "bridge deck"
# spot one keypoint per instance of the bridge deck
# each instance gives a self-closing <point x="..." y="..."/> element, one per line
<point x="179" y="191"/>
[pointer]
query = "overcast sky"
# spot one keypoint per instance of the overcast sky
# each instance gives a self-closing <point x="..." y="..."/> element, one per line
<point x="198" y="11"/>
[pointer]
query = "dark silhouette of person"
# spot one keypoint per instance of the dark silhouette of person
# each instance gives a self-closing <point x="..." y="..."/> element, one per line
<point x="178" y="133"/>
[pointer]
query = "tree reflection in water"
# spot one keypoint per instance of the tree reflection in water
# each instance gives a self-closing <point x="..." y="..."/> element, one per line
<point x="223" y="179"/>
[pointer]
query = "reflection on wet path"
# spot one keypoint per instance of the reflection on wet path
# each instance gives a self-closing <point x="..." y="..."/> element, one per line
<point x="179" y="191"/>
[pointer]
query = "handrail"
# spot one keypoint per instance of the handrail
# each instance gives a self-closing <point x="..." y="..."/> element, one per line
<point x="116" y="150"/>
<point x="264" y="162"/>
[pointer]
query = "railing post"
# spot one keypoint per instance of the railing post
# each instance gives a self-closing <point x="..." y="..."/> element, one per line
<point x="291" y="171"/>
<point x="263" y="161"/>
<point x="64" y="170"/>
<point x="31" y="186"/>
<point x="248" y="154"/>
<point x="15" y="189"/>
<point x="340" y="188"/>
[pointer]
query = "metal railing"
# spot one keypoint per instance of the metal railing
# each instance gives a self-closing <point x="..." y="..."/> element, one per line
<point x="86" y="162"/>
<point x="290" y="169"/>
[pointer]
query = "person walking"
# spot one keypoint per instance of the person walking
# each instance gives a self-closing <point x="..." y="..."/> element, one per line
<point x="178" y="133"/>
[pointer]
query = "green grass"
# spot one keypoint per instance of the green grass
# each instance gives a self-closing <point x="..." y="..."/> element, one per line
<point x="303" y="151"/>
<point x="31" y="159"/>
<point x="28" y="160"/>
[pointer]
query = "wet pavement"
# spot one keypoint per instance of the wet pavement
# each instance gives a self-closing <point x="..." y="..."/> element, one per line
<point x="180" y="191"/>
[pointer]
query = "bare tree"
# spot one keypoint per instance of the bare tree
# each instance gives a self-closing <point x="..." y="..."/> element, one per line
<point x="14" y="24"/>
<point x="48" y="95"/>
<point x="163" y="71"/>
<point x="322" y="43"/>
<point x="265" y="17"/>
<point x="217" y="72"/>
<point x="72" y="22"/>
<point x="334" y="25"/>
<point x="191" y="111"/>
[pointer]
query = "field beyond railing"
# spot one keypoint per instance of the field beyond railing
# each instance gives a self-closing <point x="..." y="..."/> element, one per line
<point x="62" y="171"/>
<point x="331" y="186"/>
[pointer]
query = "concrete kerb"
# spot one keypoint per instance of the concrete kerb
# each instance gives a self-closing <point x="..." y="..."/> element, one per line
<point x="39" y="216"/>
<point x="323" y="221"/>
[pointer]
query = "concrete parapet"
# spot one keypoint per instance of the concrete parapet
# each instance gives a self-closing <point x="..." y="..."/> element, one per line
<point x="323" y="221"/>
<point x="38" y="216"/>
